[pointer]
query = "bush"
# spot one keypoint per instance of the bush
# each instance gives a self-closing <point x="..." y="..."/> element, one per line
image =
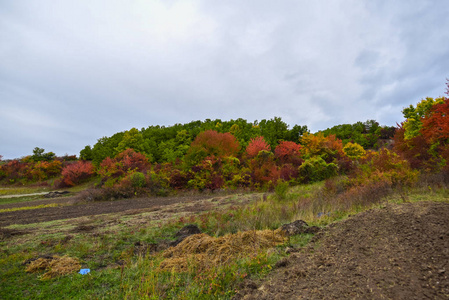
<point x="158" y="184"/>
<point x="179" y="179"/>
<point x="354" y="150"/>
<point x="288" y="152"/>
<point x="281" y="189"/>
<point x="76" y="173"/>
<point x="255" y="146"/>
<point x="124" y="163"/>
<point x="138" y="179"/>
<point x="43" y="170"/>
<point x="211" y="143"/>
<point x="316" y="169"/>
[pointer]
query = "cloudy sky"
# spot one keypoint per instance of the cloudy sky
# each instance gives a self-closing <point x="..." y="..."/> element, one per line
<point x="74" y="71"/>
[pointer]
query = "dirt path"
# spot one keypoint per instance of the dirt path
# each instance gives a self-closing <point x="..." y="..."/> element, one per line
<point x="399" y="252"/>
<point x="69" y="208"/>
<point x="22" y="195"/>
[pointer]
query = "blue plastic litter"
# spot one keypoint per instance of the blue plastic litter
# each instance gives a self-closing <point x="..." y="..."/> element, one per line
<point x="320" y="214"/>
<point x="84" y="271"/>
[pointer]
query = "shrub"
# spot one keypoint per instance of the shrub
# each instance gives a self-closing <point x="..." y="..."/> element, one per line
<point x="211" y="143"/>
<point x="316" y="169"/>
<point x="288" y="152"/>
<point x="137" y="179"/>
<point x="76" y="173"/>
<point x="43" y="170"/>
<point x="256" y="145"/>
<point x="124" y="163"/>
<point x="383" y="166"/>
<point x="328" y="148"/>
<point x="354" y="150"/>
<point x="281" y="189"/>
<point x="264" y="171"/>
<point x="179" y="179"/>
<point x="288" y="172"/>
<point x="158" y="184"/>
<point x="14" y="170"/>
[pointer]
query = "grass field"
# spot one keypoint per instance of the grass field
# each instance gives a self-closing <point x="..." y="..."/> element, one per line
<point x="121" y="250"/>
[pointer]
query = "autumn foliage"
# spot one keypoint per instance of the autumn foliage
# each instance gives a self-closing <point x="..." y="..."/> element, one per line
<point x="213" y="156"/>
<point x="125" y="162"/>
<point x="288" y="152"/>
<point x="211" y="143"/>
<point x="76" y="173"/>
<point x="423" y="138"/>
<point x="435" y="127"/>
<point x="256" y="145"/>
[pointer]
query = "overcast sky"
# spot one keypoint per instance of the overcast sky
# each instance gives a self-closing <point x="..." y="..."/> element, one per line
<point x="74" y="71"/>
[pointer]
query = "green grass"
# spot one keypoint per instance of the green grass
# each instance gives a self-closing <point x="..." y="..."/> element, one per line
<point x="28" y="207"/>
<point x="19" y="199"/>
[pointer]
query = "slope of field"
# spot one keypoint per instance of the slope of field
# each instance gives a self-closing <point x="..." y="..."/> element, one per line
<point x="398" y="252"/>
<point x="70" y="207"/>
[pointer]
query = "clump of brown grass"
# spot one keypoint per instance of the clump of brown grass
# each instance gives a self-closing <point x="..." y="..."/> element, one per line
<point x="203" y="250"/>
<point x="54" y="266"/>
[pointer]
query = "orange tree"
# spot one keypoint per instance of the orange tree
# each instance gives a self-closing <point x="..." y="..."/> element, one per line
<point x="208" y="156"/>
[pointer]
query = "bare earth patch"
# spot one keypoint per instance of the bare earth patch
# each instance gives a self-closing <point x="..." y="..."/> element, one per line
<point x="398" y="252"/>
<point x="70" y="208"/>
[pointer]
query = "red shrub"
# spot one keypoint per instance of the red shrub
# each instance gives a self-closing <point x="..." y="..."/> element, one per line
<point x="215" y="182"/>
<point x="256" y="145"/>
<point x="132" y="160"/>
<point x="288" y="172"/>
<point x="288" y="152"/>
<point x="211" y="144"/>
<point x="124" y="162"/>
<point x="264" y="171"/>
<point x="76" y="173"/>
<point x="14" y="170"/>
<point x="43" y="170"/>
<point x="179" y="179"/>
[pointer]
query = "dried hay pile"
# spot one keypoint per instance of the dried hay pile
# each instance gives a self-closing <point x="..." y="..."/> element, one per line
<point x="54" y="266"/>
<point x="204" y="250"/>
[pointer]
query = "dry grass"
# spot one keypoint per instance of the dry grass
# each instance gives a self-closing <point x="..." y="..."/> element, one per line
<point x="54" y="266"/>
<point x="203" y="250"/>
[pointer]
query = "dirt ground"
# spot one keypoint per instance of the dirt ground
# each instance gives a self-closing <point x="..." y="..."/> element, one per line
<point x="70" y="207"/>
<point x="398" y="252"/>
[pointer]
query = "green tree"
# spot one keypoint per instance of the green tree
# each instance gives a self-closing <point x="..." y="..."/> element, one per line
<point x="415" y="115"/>
<point x="105" y="147"/>
<point x="274" y="130"/>
<point x="40" y="155"/>
<point x="86" y="153"/>
<point x="132" y="139"/>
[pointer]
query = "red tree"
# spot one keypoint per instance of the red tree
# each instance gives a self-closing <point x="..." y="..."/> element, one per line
<point x="288" y="152"/>
<point x="435" y="126"/>
<point x="213" y="143"/>
<point x="256" y="145"/>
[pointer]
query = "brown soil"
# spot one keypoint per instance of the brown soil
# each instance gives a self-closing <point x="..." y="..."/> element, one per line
<point x="71" y="208"/>
<point x="398" y="252"/>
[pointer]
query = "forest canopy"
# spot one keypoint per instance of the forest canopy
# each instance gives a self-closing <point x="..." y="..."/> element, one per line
<point x="168" y="143"/>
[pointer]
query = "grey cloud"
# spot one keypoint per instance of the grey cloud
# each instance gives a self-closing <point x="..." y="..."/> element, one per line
<point x="82" y="70"/>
